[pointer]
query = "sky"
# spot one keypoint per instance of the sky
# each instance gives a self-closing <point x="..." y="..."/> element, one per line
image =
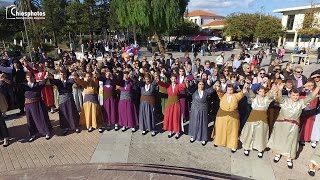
<point x="225" y="7"/>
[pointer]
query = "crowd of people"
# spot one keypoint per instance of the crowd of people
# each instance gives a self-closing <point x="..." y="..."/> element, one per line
<point x="274" y="108"/>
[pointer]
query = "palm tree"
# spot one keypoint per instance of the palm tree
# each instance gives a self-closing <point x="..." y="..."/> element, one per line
<point x="26" y="6"/>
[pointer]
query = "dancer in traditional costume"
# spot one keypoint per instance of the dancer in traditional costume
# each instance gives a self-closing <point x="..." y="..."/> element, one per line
<point x="68" y="114"/>
<point x="172" y="116"/>
<point x="91" y="114"/>
<point x="315" y="135"/>
<point x="110" y="101"/>
<point x="308" y="114"/>
<point x="227" y="123"/>
<point x="127" y="111"/>
<point x="47" y="91"/>
<point x="198" y="122"/>
<point x="4" y="133"/>
<point x="255" y="132"/>
<point x="184" y="105"/>
<point x="36" y="112"/>
<point x="147" y="115"/>
<point x="284" y="137"/>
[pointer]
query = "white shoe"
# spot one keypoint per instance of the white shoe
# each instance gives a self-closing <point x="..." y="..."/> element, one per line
<point x="133" y="129"/>
<point x="52" y="110"/>
<point x="47" y="136"/>
<point x="246" y="152"/>
<point x="32" y="138"/>
<point x="191" y="140"/>
<point x="289" y="163"/>
<point x="260" y="154"/>
<point x="313" y="144"/>
<point x="277" y="158"/>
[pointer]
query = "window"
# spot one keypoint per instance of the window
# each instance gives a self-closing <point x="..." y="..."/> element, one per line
<point x="195" y="21"/>
<point x="290" y="22"/>
<point x="289" y="37"/>
<point x="201" y="21"/>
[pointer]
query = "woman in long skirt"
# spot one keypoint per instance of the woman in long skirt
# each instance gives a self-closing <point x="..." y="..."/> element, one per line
<point x="127" y="111"/>
<point x="226" y="129"/>
<point x="172" y="117"/>
<point x="4" y="133"/>
<point x="308" y="115"/>
<point x="110" y="101"/>
<point x="36" y="112"/>
<point x="184" y="105"/>
<point x="198" y="122"/>
<point x="284" y="137"/>
<point x="91" y="114"/>
<point x="255" y="132"/>
<point x="147" y="106"/>
<point x="68" y="114"/>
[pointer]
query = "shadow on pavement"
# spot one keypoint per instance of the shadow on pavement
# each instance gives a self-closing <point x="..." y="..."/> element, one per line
<point x="116" y="171"/>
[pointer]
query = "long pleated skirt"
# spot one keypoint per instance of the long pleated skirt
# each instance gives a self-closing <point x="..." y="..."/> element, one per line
<point x="198" y="124"/>
<point x="255" y="132"/>
<point x="172" y="118"/>
<point x="68" y="115"/>
<point x="226" y="129"/>
<point x="110" y="111"/>
<point x="284" y="138"/>
<point x="48" y="96"/>
<point x="306" y="129"/>
<point x="127" y="113"/>
<point x="91" y="115"/>
<point x="38" y="118"/>
<point x="146" y="116"/>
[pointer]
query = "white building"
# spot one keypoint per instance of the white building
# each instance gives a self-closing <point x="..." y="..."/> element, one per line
<point x="292" y="20"/>
<point x="203" y="18"/>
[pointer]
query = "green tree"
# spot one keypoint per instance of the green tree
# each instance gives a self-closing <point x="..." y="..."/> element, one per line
<point x="310" y="24"/>
<point x="245" y="26"/>
<point x="185" y="28"/>
<point x="241" y="25"/>
<point x="55" y="17"/>
<point x="268" y="28"/>
<point x="33" y="25"/>
<point x="152" y="16"/>
<point x="9" y="27"/>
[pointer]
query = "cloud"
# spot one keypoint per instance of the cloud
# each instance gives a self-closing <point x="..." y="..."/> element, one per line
<point x="211" y="5"/>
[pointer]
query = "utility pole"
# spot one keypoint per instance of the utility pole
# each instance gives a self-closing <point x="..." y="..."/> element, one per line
<point x="261" y="10"/>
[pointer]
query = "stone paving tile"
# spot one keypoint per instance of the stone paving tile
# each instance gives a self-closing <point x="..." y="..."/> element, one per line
<point x="164" y="151"/>
<point x="59" y="150"/>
